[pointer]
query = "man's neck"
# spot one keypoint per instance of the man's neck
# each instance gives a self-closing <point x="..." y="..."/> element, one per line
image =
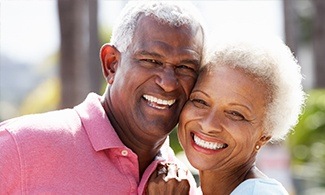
<point x="145" y="148"/>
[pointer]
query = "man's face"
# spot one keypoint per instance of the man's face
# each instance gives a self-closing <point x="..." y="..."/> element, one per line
<point x="155" y="77"/>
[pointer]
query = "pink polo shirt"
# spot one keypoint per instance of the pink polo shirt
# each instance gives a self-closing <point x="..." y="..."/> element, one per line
<point x="71" y="151"/>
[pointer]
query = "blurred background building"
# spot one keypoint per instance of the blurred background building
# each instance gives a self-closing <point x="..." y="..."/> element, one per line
<point x="49" y="60"/>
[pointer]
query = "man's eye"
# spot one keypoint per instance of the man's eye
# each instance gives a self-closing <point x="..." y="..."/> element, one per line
<point x="186" y="70"/>
<point x="151" y="61"/>
<point x="185" y="67"/>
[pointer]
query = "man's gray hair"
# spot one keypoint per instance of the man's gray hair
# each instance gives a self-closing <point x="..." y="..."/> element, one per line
<point x="175" y="13"/>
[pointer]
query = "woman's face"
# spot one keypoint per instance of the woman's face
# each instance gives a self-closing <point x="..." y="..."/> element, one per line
<point x="221" y="123"/>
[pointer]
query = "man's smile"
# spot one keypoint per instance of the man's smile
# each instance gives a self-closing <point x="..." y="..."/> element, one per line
<point x="159" y="103"/>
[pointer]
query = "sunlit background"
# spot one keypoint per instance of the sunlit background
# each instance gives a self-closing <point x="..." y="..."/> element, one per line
<point x="33" y="77"/>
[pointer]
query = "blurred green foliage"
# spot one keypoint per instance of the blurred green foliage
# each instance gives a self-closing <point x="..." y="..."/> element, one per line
<point x="45" y="97"/>
<point x="174" y="143"/>
<point x="307" y="143"/>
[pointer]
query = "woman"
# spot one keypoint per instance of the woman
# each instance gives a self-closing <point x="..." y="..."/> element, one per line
<point x="248" y="94"/>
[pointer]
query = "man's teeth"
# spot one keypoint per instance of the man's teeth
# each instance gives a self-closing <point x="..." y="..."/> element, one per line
<point x="208" y="145"/>
<point x="159" y="101"/>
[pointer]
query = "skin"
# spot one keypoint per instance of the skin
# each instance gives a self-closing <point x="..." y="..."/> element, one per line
<point x="161" y="62"/>
<point x="226" y="107"/>
<point x="157" y="185"/>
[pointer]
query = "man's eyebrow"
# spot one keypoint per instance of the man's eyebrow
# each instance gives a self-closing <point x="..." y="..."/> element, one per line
<point x="190" y="61"/>
<point x="147" y="53"/>
<point x="157" y="55"/>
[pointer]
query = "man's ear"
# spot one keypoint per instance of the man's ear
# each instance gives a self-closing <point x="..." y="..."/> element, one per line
<point x="109" y="57"/>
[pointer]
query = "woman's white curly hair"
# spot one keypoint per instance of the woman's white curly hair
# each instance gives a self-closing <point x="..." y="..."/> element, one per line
<point x="273" y="63"/>
<point x="175" y="13"/>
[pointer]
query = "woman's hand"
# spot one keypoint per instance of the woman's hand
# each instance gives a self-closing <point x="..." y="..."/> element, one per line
<point x="168" y="179"/>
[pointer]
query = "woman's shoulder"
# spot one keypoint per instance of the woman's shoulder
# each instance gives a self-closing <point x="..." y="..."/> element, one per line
<point x="260" y="186"/>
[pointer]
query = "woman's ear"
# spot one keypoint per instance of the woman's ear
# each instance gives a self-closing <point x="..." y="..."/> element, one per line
<point x="262" y="141"/>
<point x="109" y="57"/>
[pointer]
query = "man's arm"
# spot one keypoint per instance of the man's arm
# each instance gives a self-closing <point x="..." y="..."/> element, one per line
<point x="10" y="164"/>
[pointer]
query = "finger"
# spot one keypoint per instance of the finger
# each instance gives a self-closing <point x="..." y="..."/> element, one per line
<point x="162" y="170"/>
<point x="171" y="172"/>
<point x="157" y="173"/>
<point x="173" y="186"/>
<point x="156" y="183"/>
<point x="182" y="174"/>
<point x="183" y="187"/>
<point x="153" y="175"/>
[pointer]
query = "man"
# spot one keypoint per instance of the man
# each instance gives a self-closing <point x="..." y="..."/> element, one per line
<point x="111" y="143"/>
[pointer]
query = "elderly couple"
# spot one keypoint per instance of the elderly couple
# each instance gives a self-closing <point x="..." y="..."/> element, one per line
<point x="229" y="98"/>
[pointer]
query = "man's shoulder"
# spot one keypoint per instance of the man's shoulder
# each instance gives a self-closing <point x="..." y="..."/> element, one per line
<point x="45" y="134"/>
<point x="54" y="122"/>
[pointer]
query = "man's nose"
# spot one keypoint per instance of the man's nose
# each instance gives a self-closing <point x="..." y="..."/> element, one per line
<point x="167" y="79"/>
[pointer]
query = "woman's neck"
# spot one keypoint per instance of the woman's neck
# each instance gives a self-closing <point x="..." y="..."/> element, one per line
<point x="223" y="181"/>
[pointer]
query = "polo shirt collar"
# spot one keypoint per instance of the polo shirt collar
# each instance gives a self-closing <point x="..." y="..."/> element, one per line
<point x="97" y="125"/>
<point x="100" y="131"/>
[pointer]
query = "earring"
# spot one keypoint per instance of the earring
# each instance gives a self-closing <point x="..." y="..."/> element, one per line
<point x="257" y="147"/>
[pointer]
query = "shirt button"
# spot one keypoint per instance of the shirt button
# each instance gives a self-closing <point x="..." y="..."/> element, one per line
<point x="124" y="152"/>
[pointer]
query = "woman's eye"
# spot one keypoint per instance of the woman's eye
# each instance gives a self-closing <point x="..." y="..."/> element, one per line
<point x="199" y="103"/>
<point x="236" y="115"/>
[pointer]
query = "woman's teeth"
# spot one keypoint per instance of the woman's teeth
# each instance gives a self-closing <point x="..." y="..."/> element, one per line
<point x="208" y="145"/>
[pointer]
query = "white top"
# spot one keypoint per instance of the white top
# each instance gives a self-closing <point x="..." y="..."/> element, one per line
<point x="257" y="186"/>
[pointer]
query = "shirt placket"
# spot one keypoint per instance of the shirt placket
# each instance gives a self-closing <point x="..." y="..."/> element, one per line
<point x="129" y="167"/>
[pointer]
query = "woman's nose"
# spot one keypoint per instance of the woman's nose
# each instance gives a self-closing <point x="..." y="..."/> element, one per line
<point x="211" y="123"/>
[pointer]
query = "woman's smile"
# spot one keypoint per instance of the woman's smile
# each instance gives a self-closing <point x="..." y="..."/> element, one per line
<point x="206" y="146"/>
